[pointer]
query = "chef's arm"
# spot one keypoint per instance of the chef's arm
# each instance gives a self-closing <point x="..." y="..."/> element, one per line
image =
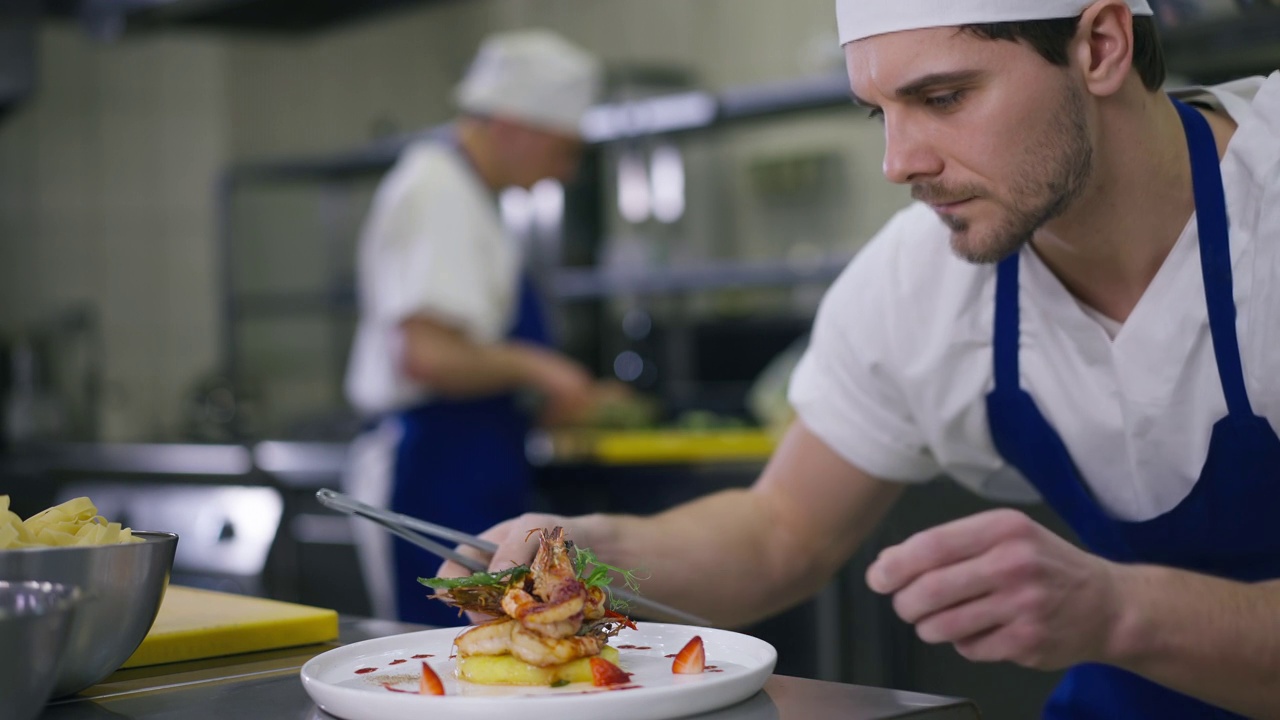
<point x="740" y="555"/>
<point x="442" y="357"/>
<point x="1215" y="639"/>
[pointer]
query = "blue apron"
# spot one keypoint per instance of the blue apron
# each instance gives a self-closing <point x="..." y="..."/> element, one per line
<point x="1224" y="527"/>
<point x="461" y="463"/>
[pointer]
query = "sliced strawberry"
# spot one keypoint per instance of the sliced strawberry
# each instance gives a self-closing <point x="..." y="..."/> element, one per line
<point x="691" y="659"/>
<point x="430" y="683"/>
<point x="626" y="621"/>
<point x="604" y="672"/>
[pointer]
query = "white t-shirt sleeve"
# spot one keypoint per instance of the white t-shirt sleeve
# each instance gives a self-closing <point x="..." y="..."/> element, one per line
<point x="845" y="388"/>
<point x="435" y="253"/>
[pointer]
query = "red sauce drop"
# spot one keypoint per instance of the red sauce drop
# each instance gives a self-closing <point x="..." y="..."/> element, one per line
<point x="396" y="689"/>
<point x="711" y="667"/>
<point x="626" y="647"/>
<point x="397" y="662"/>
<point x="422" y="655"/>
<point x="669" y="655"/>
<point x="362" y="671"/>
<point x="643" y="647"/>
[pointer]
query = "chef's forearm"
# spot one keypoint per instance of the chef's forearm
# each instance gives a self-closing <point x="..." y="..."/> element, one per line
<point x="467" y="372"/>
<point x="1213" y="639"/>
<point x="740" y="555"/>
<point x="703" y="556"/>
<point x="452" y="365"/>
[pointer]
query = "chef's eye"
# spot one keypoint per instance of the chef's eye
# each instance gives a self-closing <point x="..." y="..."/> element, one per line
<point x="944" y="102"/>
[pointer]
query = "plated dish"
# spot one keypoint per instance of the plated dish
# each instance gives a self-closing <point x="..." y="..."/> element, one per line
<point x="379" y="679"/>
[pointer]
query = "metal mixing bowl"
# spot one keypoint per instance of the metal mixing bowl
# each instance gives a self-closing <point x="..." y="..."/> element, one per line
<point x="34" y="620"/>
<point x="121" y="586"/>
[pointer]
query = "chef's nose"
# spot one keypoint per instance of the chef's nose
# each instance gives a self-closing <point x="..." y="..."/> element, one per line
<point x="908" y="153"/>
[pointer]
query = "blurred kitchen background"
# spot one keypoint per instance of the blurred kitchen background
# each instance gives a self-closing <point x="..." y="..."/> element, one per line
<point x="182" y="183"/>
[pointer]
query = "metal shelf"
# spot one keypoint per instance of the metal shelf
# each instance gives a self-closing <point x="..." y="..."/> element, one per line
<point x="587" y="283"/>
<point x="667" y="114"/>
<point x="1211" y="51"/>
<point x="136" y="458"/>
<point x="574" y="284"/>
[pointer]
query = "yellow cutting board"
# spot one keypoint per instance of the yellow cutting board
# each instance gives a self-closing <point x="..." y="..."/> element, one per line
<point x="677" y="446"/>
<point x="193" y="624"/>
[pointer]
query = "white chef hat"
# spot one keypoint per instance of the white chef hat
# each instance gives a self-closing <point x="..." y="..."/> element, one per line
<point x="858" y="19"/>
<point x="534" y="76"/>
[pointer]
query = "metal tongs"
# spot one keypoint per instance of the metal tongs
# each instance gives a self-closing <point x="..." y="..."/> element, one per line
<point x="407" y="528"/>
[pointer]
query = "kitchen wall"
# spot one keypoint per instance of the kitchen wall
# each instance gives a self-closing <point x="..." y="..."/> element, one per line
<point x="395" y="72"/>
<point x="105" y="198"/>
<point x="107" y="175"/>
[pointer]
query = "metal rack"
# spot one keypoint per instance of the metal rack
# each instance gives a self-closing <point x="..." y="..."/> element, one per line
<point x="668" y="115"/>
<point x="1219" y="49"/>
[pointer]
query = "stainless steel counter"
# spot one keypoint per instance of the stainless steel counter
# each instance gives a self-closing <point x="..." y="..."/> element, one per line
<point x="265" y="686"/>
<point x="287" y="463"/>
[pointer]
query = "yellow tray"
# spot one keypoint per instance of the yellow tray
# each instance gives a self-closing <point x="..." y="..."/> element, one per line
<point x="194" y="624"/>
<point x="666" y="446"/>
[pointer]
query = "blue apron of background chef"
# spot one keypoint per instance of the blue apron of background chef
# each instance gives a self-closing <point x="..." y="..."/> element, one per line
<point x="1224" y="527"/>
<point x="461" y="463"/>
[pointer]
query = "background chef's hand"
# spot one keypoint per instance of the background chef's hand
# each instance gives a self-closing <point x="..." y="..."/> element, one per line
<point x="999" y="586"/>
<point x="515" y="547"/>
<point x="568" y="390"/>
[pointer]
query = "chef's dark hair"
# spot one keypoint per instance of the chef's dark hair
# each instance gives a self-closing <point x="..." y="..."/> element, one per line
<point x="1051" y="37"/>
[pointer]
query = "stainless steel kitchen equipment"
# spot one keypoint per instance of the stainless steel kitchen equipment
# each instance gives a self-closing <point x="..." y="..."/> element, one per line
<point x="51" y="384"/>
<point x="122" y="585"/>
<point x="227" y="531"/>
<point x="35" y="618"/>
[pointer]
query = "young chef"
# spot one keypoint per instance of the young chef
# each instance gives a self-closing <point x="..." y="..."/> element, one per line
<point x="449" y="326"/>
<point x="1082" y="306"/>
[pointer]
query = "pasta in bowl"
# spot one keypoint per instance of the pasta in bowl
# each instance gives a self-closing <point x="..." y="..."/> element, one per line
<point x="74" y="522"/>
<point x="122" y="575"/>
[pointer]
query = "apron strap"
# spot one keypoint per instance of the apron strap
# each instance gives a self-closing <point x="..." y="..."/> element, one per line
<point x="1005" y="350"/>
<point x="1215" y="256"/>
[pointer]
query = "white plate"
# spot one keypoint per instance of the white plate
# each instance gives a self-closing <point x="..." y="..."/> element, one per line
<point x="738" y="666"/>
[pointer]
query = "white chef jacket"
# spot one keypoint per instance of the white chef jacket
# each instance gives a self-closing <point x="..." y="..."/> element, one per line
<point x="434" y="244"/>
<point x="896" y="377"/>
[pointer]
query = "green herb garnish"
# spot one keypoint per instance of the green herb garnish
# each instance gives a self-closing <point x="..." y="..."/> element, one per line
<point x="560" y="683"/>
<point x="479" y="579"/>
<point x="594" y="573"/>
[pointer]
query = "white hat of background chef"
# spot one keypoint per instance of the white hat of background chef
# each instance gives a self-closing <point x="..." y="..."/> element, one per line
<point x="534" y="76"/>
<point x="858" y="19"/>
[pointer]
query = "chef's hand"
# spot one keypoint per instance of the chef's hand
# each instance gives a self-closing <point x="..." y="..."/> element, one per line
<point x="569" y="391"/>
<point x="516" y="543"/>
<point x="999" y="586"/>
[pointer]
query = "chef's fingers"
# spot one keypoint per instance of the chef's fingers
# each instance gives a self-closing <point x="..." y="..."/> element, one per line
<point x="517" y="539"/>
<point x="945" y="544"/>
<point x="937" y="590"/>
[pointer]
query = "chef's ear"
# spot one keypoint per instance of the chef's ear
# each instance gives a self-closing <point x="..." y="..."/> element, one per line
<point x="1103" y="46"/>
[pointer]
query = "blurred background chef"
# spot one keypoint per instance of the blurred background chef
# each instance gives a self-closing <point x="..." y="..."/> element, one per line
<point x="451" y="332"/>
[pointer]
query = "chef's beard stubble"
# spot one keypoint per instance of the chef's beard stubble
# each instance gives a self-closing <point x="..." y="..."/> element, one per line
<point x="1054" y="173"/>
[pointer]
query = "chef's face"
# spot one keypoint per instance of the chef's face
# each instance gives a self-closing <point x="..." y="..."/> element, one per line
<point x="533" y="154"/>
<point x="988" y="133"/>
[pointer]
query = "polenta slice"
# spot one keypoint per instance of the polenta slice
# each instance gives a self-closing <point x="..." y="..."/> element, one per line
<point x="508" y="670"/>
